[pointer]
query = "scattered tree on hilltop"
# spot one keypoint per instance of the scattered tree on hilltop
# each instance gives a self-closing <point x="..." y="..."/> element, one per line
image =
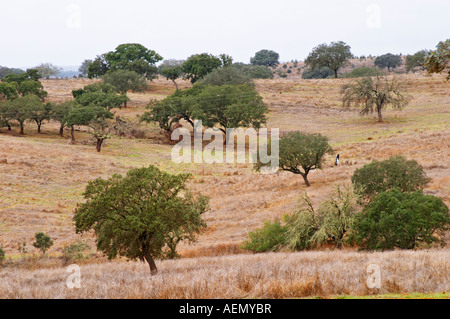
<point x="47" y="70"/>
<point x="267" y="58"/>
<point x="334" y="56"/>
<point x="130" y="56"/>
<point x="389" y="61"/>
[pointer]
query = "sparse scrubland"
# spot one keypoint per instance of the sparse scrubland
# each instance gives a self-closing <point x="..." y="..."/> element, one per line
<point x="43" y="177"/>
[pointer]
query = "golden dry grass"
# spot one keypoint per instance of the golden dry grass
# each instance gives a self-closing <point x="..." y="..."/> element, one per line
<point x="272" y="275"/>
<point x="43" y="176"/>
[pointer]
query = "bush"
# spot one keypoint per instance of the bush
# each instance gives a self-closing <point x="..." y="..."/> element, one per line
<point x="75" y="251"/>
<point x="329" y="224"/>
<point x="396" y="219"/>
<point x="381" y="176"/>
<point x="43" y="242"/>
<point x="254" y="71"/>
<point x="269" y="238"/>
<point x="321" y="73"/>
<point x="2" y="255"/>
<point x="226" y="76"/>
<point x="362" y="71"/>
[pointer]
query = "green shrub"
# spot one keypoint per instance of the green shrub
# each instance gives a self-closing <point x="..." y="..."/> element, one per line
<point x="226" y="76"/>
<point x="271" y="237"/>
<point x="320" y="73"/>
<point x="397" y="219"/>
<point x="75" y="250"/>
<point x="2" y="255"/>
<point x="361" y="72"/>
<point x="43" y="242"/>
<point x="381" y="176"/>
<point x="254" y="71"/>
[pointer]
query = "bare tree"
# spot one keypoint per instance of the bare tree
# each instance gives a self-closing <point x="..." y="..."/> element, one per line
<point x="375" y="94"/>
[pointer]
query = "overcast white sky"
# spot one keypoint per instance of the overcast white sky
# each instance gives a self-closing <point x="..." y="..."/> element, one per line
<point x="65" y="32"/>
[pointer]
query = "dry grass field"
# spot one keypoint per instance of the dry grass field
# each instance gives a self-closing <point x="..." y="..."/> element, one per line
<point x="324" y="274"/>
<point x="43" y="177"/>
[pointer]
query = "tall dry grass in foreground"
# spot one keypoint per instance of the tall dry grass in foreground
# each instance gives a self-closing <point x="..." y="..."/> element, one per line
<point x="273" y="275"/>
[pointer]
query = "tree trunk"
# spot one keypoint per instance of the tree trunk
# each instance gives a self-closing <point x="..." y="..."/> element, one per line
<point x="99" y="144"/>
<point x="21" y="129"/>
<point x="176" y="85"/>
<point x="151" y="263"/>
<point x="72" y="131"/>
<point x="335" y="74"/>
<point x="39" y="128"/>
<point x="61" y="131"/>
<point x="9" y="127"/>
<point x="380" y="117"/>
<point x="305" y="178"/>
<point x="125" y="104"/>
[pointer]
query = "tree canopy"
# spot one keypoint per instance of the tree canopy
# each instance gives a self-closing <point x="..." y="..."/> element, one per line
<point x="375" y="94"/>
<point x="47" y="70"/>
<point x="301" y="153"/>
<point x="334" y="56"/>
<point x="199" y="65"/>
<point x="389" y="61"/>
<point x="416" y="61"/>
<point x="226" y="76"/>
<point x="172" y="70"/>
<point x="130" y="56"/>
<point x="100" y="94"/>
<point x="4" y="71"/>
<point x="144" y="214"/>
<point x="125" y="80"/>
<point x="395" y="172"/>
<point x="397" y="219"/>
<point x="229" y="106"/>
<point x="84" y="67"/>
<point x="226" y="106"/>
<point x="265" y="57"/>
<point x="439" y="60"/>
